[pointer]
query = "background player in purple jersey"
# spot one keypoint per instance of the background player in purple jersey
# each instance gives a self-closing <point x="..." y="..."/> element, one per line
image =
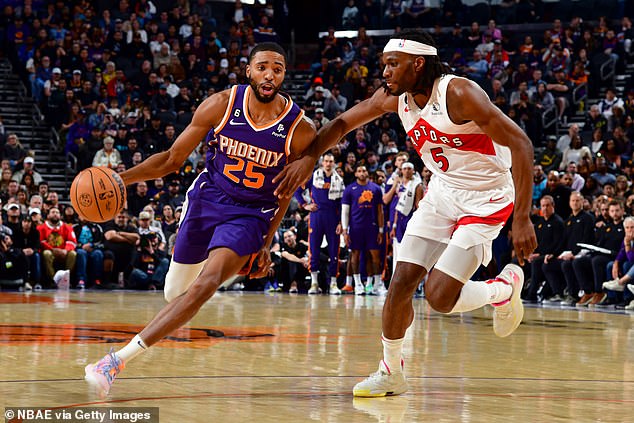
<point x="230" y="213"/>
<point x="362" y="223"/>
<point x="326" y="189"/>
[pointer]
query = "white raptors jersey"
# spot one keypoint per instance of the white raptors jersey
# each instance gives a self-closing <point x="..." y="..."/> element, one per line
<point x="462" y="156"/>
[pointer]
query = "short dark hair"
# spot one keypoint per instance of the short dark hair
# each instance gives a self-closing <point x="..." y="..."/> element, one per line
<point x="267" y="46"/>
<point x="615" y="203"/>
<point x="434" y="68"/>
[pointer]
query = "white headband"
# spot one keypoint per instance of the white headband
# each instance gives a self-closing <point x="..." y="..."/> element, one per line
<point x="410" y="47"/>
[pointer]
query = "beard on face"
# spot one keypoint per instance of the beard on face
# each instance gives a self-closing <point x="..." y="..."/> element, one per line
<point x="54" y="220"/>
<point x="260" y="97"/>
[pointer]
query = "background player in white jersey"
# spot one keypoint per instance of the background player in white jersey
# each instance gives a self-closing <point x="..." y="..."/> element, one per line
<point x="410" y="192"/>
<point x="468" y="144"/>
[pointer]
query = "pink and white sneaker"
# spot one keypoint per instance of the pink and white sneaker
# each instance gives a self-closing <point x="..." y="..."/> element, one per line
<point x="102" y="374"/>
<point x="508" y="314"/>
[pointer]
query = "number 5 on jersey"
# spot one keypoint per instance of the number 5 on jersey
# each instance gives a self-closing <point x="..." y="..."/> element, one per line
<point x="437" y="155"/>
<point x="252" y="178"/>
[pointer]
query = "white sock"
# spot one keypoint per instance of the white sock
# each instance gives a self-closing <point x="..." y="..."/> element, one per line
<point x="392" y="353"/>
<point x="333" y="280"/>
<point x="348" y="280"/>
<point x="357" y="279"/>
<point x="377" y="280"/>
<point x="477" y="294"/>
<point x="314" y="281"/>
<point x="134" y="348"/>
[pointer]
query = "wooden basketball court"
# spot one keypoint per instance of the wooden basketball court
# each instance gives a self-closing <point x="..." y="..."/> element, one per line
<point x="254" y="357"/>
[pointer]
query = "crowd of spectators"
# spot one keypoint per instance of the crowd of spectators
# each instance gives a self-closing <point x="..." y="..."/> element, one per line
<point x="120" y="83"/>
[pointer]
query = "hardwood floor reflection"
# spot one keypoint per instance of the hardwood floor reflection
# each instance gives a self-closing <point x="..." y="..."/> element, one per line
<point x="279" y="358"/>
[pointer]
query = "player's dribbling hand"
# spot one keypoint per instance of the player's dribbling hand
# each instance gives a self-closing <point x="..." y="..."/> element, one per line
<point x="524" y="239"/>
<point x="293" y="175"/>
<point x="264" y="263"/>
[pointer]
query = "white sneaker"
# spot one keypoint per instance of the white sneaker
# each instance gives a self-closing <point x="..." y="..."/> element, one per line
<point x="381" y="383"/>
<point x="379" y="289"/>
<point x="630" y="306"/>
<point x="631" y="288"/>
<point x="359" y="289"/>
<point x="613" y="285"/>
<point x="334" y="289"/>
<point x="508" y="316"/>
<point x="314" y="289"/>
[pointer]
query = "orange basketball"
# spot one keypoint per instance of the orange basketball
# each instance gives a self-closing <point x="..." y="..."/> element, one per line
<point x="98" y="194"/>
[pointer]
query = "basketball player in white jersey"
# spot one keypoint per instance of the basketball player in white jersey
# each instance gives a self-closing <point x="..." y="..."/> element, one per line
<point x="468" y="144"/>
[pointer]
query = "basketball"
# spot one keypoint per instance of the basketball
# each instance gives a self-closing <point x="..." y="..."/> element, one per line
<point x="98" y="194"/>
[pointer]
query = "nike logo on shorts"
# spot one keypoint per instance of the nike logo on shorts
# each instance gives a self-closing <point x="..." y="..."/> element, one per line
<point x="495" y="200"/>
<point x="265" y="211"/>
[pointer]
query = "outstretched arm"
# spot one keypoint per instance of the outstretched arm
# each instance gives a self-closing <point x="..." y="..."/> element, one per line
<point x="208" y="114"/>
<point x="468" y="102"/>
<point x="298" y="172"/>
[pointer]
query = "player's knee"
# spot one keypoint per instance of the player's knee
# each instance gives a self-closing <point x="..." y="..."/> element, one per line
<point x="174" y="286"/>
<point x="439" y="304"/>
<point x="437" y="298"/>
<point x="404" y="283"/>
<point x="170" y="292"/>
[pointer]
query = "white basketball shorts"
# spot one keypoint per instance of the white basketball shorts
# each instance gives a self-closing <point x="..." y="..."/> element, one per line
<point x="461" y="217"/>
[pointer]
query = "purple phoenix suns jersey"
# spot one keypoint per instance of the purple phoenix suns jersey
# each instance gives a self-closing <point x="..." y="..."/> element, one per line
<point x="243" y="157"/>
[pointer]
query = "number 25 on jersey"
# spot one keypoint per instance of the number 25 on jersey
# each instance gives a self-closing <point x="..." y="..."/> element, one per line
<point x="251" y="179"/>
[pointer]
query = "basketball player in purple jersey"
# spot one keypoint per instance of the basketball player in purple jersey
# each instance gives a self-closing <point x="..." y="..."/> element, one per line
<point x="230" y="214"/>
<point x="326" y="189"/>
<point x="362" y="224"/>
